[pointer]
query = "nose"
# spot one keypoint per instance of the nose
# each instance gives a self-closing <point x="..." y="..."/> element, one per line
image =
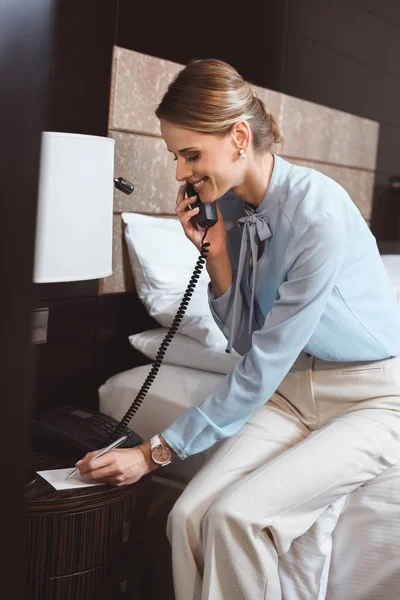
<point x="183" y="170"/>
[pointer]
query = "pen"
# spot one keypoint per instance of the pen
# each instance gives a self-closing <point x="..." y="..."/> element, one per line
<point x="101" y="452"/>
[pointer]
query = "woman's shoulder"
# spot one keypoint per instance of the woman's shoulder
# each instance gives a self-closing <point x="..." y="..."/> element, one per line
<point x="304" y="180"/>
<point x="312" y="196"/>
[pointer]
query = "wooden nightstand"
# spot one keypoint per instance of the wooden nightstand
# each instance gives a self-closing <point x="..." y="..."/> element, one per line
<point x="85" y="544"/>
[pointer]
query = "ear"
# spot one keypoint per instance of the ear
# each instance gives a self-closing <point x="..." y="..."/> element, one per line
<point x="241" y="135"/>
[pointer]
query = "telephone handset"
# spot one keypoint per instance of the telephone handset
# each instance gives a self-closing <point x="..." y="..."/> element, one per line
<point x="85" y="430"/>
<point x="207" y="215"/>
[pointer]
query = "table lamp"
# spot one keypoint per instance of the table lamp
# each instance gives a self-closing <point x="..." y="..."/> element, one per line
<point x="74" y="214"/>
<point x="75" y="208"/>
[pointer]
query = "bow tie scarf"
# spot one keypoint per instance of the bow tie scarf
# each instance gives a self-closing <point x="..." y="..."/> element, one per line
<point x="255" y="230"/>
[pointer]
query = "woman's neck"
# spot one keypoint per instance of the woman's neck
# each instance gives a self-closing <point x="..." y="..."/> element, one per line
<point x="256" y="180"/>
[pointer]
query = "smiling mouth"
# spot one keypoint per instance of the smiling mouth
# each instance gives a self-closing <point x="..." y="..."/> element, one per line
<point x="199" y="184"/>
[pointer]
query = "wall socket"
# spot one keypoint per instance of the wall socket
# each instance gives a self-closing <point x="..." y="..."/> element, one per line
<point x="40" y="317"/>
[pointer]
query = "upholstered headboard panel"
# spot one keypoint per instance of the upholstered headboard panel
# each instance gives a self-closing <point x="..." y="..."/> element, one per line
<point x="336" y="143"/>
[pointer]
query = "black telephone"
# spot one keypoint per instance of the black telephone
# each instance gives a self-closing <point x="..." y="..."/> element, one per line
<point x="207" y="215"/>
<point x="80" y="430"/>
<point x="84" y="430"/>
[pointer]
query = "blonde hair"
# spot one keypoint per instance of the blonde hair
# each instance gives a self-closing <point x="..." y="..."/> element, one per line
<point x="209" y="96"/>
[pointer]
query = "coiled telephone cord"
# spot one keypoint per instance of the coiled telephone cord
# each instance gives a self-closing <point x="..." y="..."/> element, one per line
<point x="119" y="429"/>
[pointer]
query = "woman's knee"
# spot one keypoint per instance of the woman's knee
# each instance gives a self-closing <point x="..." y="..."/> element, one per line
<point x="185" y="516"/>
<point x="233" y="509"/>
<point x="226" y="519"/>
<point x="221" y="514"/>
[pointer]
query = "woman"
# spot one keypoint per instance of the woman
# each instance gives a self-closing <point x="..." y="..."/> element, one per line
<point x="312" y="409"/>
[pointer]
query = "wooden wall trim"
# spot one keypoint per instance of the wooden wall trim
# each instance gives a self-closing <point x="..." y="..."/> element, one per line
<point x="25" y="34"/>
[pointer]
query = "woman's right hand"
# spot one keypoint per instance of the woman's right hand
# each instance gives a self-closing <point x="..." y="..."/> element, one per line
<point x="216" y="235"/>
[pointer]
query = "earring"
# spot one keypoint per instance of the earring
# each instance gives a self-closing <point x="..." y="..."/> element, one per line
<point x="242" y="153"/>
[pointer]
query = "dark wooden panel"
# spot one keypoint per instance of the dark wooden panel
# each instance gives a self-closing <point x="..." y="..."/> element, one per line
<point x="389" y="247"/>
<point x="87" y="343"/>
<point x="119" y="316"/>
<point x="250" y="37"/>
<point x="350" y="30"/>
<point x="81" y="66"/>
<point x="65" y="365"/>
<point x="324" y="76"/>
<point x="389" y="148"/>
<point x="25" y="34"/>
<point x="69" y="289"/>
<point x="385" y="219"/>
<point x="388" y="10"/>
<point x="344" y="55"/>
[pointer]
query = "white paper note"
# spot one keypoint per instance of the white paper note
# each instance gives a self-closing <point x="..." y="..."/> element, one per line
<point x="58" y="479"/>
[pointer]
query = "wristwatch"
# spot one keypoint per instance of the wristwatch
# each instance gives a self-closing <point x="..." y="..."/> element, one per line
<point x="159" y="453"/>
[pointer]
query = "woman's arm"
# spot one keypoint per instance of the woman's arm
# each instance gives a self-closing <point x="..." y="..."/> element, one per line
<point x="317" y="257"/>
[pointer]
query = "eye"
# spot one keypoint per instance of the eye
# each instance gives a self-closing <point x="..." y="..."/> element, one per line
<point x="190" y="158"/>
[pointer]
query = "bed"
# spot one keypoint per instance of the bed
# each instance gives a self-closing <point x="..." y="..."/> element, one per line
<point x="193" y="366"/>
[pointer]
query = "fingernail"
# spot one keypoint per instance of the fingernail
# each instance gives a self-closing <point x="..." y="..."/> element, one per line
<point x="78" y="463"/>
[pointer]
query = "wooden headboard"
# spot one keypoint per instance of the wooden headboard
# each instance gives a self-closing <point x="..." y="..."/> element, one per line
<point x="339" y="144"/>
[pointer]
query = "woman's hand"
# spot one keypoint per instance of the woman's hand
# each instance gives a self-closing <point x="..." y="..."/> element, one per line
<point x="216" y="235"/>
<point x="122" y="466"/>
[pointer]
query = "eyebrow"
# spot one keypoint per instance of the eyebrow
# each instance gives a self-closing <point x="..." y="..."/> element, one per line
<point x="183" y="150"/>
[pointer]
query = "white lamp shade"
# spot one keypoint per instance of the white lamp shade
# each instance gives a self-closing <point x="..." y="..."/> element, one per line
<point x="75" y="208"/>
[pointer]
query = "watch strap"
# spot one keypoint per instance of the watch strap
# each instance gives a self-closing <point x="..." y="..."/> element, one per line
<point x="155" y="441"/>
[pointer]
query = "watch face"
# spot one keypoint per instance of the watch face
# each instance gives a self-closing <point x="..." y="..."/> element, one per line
<point x="161" y="454"/>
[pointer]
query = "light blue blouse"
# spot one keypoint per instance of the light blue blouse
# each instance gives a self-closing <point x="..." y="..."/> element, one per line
<point x="319" y="286"/>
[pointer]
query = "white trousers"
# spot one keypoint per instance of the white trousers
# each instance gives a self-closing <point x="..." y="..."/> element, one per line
<point x="329" y="428"/>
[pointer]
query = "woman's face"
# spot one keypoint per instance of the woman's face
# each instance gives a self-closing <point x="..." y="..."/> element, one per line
<point x="210" y="160"/>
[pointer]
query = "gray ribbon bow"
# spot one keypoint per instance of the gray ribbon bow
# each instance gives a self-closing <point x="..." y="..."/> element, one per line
<point x="255" y="230"/>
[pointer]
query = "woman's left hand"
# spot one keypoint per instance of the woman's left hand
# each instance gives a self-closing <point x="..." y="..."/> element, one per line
<point x="121" y="466"/>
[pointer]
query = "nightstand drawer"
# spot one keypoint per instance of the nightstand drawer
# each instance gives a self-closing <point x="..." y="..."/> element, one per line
<point x="102" y="583"/>
<point x="77" y="542"/>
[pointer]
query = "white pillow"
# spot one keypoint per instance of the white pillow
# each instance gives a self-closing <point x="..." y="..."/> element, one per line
<point x="162" y="261"/>
<point x="184" y="351"/>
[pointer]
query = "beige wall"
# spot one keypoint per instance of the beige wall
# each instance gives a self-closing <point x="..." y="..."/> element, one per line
<point x="341" y="145"/>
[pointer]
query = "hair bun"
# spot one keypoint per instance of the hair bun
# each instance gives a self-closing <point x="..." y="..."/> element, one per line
<point x="271" y="122"/>
<point x="210" y="96"/>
